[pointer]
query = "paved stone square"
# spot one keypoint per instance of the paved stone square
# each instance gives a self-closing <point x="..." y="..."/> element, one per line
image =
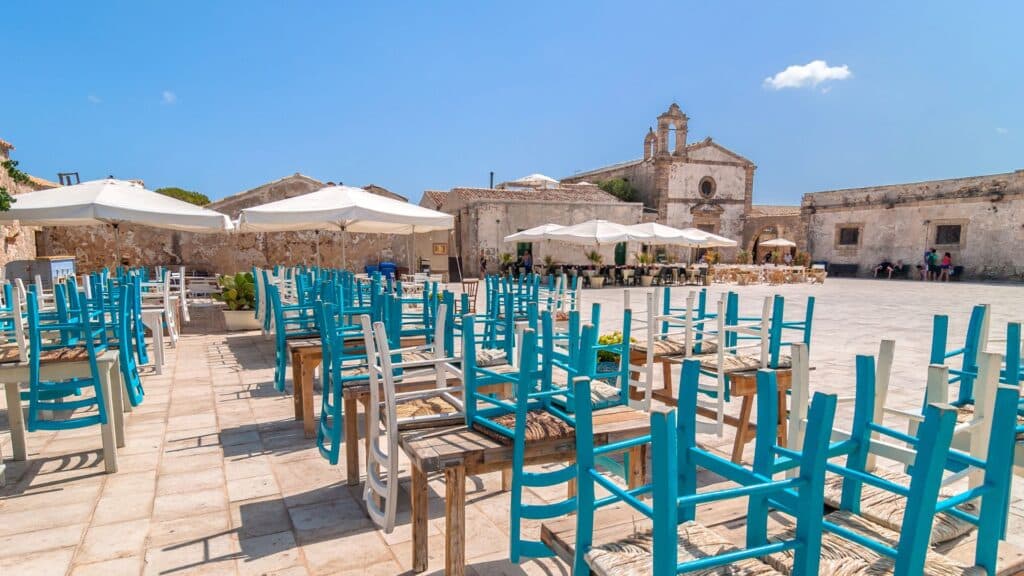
<point x="216" y="477"/>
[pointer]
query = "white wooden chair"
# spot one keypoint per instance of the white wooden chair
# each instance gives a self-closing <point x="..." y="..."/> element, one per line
<point x="666" y="335"/>
<point x="397" y="411"/>
<point x="158" y="296"/>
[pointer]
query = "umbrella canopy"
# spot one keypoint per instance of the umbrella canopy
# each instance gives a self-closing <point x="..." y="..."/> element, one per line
<point x="778" y="243"/>
<point x="542" y="232"/>
<point x="343" y="208"/>
<point x="597" y="232"/>
<point x="661" y="234"/>
<point x="703" y="239"/>
<point x="533" y="180"/>
<point x="112" y="202"/>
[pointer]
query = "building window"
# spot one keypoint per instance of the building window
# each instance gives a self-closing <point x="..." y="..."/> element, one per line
<point x="707" y="187"/>
<point x="849" y="236"/>
<point x="946" y="234"/>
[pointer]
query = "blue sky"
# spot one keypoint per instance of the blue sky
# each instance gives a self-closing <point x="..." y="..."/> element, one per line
<point x="223" y="96"/>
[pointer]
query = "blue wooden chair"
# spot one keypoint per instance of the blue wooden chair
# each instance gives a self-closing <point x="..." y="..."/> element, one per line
<point x="676" y="542"/>
<point x="52" y="396"/>
<point x="291" y="322"/>
<point x="125" y="336"/>
<point x="886" y="522"/>
<point x="965" y="374"/>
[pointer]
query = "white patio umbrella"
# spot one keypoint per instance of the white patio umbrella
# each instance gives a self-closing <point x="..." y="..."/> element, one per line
<point x="778" y="243"/>
<point x="697" y="238"/>
<point x="542" y="232"/>
<point x="662" y="234"/>
<point x="112" y="202"/>
<point x="597" y="232"/>
<point x="346" y="209"/>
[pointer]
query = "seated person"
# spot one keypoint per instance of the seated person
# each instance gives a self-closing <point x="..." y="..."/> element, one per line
<point x="900" y="269"/>
<point x="884" y="266"/>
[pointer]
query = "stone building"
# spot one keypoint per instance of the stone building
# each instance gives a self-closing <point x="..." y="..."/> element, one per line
<point x="484" y="216"/>
<point x="701" y="185"/>
<point x="978" y="220"/>
<point x="19" y="242"/>
<point x="221" y="253"/>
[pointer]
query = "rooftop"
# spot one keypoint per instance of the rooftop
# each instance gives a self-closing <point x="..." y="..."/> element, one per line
<point x="565" y="193"/>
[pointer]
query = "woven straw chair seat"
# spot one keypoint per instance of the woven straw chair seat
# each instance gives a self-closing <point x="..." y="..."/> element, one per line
<point x="487" y="357"/>
<point x="966" y="414"/>
<point x="886" y="509"/>
<point x="9" y="353"/>
<point x="841" y="557"/>
<point x="72" y="354"/>
<point x="671" y="346"/>
<point x="734" y="363"/>
<point x="633" y="556"/>
<point x="430" y="406"/>
<point x="540" y="426"/>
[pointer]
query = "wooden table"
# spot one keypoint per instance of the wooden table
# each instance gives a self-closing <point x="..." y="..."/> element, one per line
<point x="14" y="374"/>
<point x="458" y="451"/>
<point x="306" y="355"/>
<point x="742" y="385"/>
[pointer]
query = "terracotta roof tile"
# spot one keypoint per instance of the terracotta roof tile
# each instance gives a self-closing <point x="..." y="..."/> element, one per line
<point x="435" y="197"/>
<point x="560" y="194"/>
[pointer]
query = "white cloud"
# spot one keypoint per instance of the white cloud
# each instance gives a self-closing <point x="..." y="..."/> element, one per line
<point x="1002" y="131"/>
<point x="807" y="76"/>
<point x="168" y="97"/>
<point x="94" y="99"/>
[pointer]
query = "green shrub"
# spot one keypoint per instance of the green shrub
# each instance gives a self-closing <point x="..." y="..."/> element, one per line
<point x="238" y="291"/>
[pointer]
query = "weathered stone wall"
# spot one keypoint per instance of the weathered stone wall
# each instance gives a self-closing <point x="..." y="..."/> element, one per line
<point x="767" y="227"/>
<point x="93" y="246"/>
<point x="19" y="245"/>
<point x="899" y="222"/>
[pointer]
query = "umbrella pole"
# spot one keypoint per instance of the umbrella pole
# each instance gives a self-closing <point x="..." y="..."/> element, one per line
<point x="412" y="257"/>
<point x="344" y="241"/>
<point x="318" y="249"/>
<point x="117" y="248"/>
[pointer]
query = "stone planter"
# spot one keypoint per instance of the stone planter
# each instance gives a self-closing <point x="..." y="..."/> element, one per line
<point x="237" y="320"/>
<point x="646" y="281"/>
<point x="597" y="281"/>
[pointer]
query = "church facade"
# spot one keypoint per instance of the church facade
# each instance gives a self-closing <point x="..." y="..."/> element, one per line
<point x="700" y="185"/>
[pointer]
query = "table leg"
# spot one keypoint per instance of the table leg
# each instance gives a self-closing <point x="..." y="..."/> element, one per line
<point x="742" y="428"/>
<point x="116" y="391"/>
<point x="783" y="430"/>
<point x="296" y="384"/>
<point x="16" y="420"/>
<point x="108" y="430"/>
<point x="350" y="414"/>
<point x="420" y="517"/>
<point x="455" y="520"/>
<point x="666" y="378"/>
<point x="637" y="474"/>
<point x="506" y="479"/>
<point x="308" y="417"/>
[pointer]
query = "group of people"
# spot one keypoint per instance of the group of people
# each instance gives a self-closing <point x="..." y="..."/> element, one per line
<point x="932" y="268"/>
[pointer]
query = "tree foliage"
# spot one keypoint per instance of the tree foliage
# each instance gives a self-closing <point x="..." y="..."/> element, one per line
<point x="197" y="198"/>
<point x="618" y="187"/>
<point x="18" y="177"/>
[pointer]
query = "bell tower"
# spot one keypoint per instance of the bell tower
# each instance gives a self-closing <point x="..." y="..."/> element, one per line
<point x="672" y="120"/>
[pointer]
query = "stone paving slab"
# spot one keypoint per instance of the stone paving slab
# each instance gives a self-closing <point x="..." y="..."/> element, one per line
<point x="217" y="478"/>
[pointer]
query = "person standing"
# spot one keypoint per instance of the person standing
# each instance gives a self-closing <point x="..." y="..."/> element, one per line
<point x="483" y="263"/>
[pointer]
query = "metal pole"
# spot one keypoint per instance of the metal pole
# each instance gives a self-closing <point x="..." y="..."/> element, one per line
<point x="344" y="241"/>
<point x="318" y="249"/>
<point x="117" y="247"/>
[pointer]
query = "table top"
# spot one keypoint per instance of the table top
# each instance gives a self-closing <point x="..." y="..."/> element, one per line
<point x="434" y="449"/>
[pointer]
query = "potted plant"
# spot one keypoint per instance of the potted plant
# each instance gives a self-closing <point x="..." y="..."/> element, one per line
<point x="644" y="261"/>
<point x="595" y="258"/>
<point x="506" y="259"/>
<point x="238" y="293"/>
<point x="549" y="265"/>
<point x="802" y="259"/>
<point x="743" y="257"/>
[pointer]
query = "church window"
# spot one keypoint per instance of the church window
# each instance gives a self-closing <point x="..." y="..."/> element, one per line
<point x="707" y="187"/>
<point x="947" y="234"/>
<point x="849" y="236"/>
